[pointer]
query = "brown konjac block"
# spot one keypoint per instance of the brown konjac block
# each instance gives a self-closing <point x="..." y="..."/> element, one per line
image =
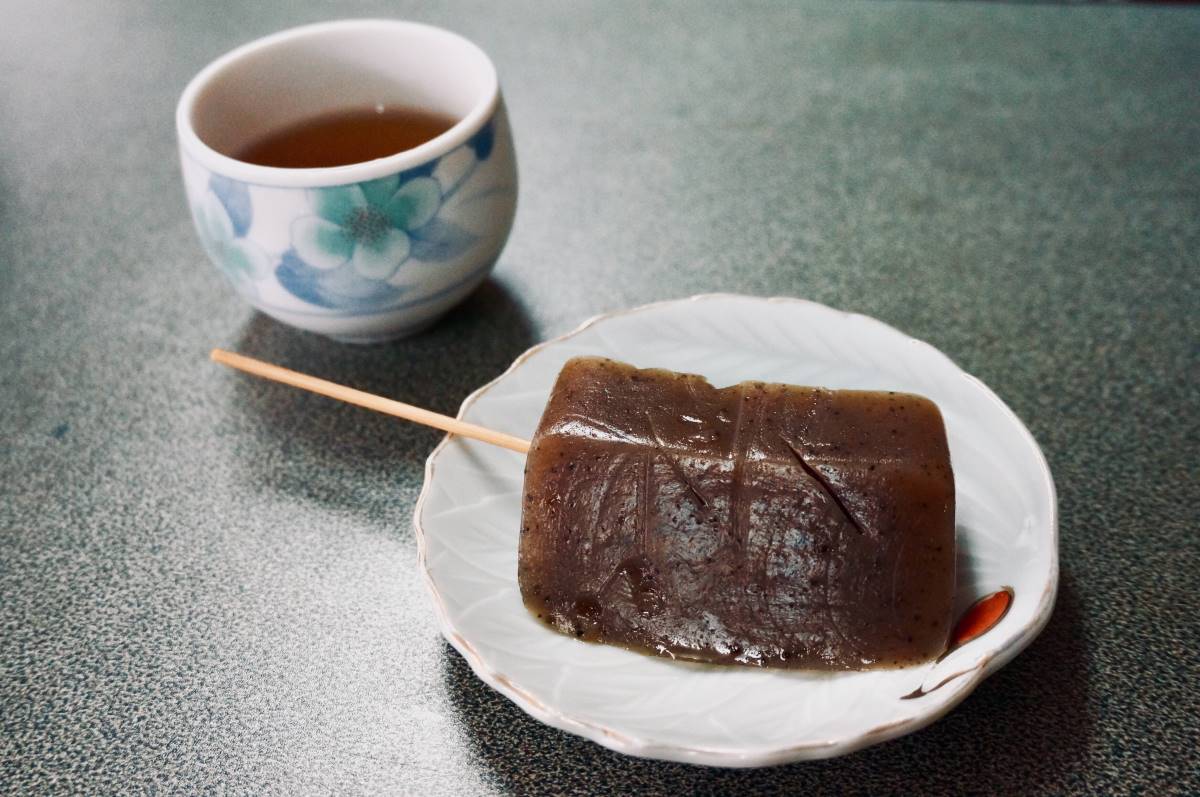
<point x="760" y="524"/>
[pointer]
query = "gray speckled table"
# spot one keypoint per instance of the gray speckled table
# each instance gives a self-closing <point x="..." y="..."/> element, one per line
<point x="209" y="584"/>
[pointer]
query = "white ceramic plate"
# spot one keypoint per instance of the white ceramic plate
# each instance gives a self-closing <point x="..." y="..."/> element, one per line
<point x="468" y="517"/>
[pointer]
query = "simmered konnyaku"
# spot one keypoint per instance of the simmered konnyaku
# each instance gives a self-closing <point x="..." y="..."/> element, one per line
<point x="760" y="524"/>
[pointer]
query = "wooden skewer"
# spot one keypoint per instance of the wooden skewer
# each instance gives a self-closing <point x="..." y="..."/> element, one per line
<point x="368" y="400"/>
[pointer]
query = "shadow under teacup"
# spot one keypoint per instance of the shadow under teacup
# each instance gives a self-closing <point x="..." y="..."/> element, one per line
<point x="366" y="251"/>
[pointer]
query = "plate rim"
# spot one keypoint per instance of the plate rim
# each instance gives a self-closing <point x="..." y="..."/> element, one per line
<point x="962" y="686"/>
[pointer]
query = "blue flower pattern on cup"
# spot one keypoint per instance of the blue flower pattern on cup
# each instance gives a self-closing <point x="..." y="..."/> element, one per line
<point x="360" y="248"/>
<point x="223" y="216"/>
<point x="365" y="225"/>
<point x="347" y="253"/>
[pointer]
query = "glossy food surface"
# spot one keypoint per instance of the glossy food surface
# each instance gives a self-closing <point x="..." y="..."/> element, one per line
<point x="758" y="524"/>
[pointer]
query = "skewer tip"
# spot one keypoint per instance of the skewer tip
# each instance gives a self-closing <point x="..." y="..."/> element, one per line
<point x="377" y="403"/>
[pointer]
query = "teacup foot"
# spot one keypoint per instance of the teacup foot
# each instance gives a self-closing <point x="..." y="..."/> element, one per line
<point x="387" y="337"/>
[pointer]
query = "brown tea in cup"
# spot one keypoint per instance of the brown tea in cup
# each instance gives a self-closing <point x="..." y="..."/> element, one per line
<point x="340" y="138"/>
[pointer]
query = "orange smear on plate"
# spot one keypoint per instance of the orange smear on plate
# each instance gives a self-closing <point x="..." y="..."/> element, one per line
<point x="981" y="617"/>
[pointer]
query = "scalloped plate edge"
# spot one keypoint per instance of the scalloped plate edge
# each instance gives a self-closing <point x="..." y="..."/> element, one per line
<point x="992" y="660"/>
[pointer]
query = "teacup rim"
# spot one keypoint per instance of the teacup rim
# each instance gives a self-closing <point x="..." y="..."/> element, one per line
<point x="459" y="134"/>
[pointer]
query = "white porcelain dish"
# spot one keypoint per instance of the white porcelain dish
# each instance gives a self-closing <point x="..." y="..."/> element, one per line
<point x="468" y="517"/>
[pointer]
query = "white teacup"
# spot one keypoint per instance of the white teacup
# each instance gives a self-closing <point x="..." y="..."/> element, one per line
<point x="369" y="251"/>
